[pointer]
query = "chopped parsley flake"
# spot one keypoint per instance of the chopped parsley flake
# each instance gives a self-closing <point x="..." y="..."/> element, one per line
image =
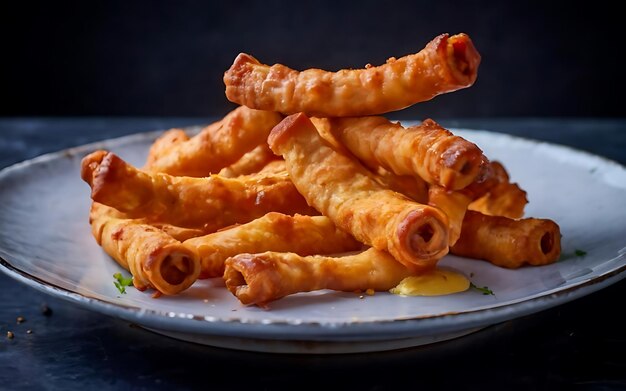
<point x="485" y="290"/>
<point x="122" y="282"/>
<point x="580" y="253"/>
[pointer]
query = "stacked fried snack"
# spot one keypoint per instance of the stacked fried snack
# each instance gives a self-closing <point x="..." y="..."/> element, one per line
<point x="305" y="186"/>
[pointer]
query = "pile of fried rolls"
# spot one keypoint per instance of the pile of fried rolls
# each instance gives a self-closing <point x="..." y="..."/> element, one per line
<point x="306" y="185"/>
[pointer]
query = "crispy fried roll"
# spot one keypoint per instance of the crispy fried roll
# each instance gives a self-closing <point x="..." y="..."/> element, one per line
<point x="507" y="242"/>
<point x="274" y="167"/>
<point x="501" y="198"/>
<point x="446" y="64"/>
<point x="340" y="188"/>
<point x="427" y="150"/>
<point x="166" y="142"/>
<point x="178" y="233"/>
<point x="209" y="203"/>
<point x="412" y="187"/>
<point x="250" y="163"/>
<point x="303" y="235"/>
<point x="506" y="199"/>
<point x="261" y="278"/>
<point x="453" y="204"/>
<point x="155" y="259"/>
<point x="215" y="147"/>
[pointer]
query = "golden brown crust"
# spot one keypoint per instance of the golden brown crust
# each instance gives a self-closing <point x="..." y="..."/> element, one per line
<point x="427" y="151"/>
<point x="155" y="259"/>
<point x="206" y="203"/>
<point x="507" y="242"/>
<point x="340" y="188"/>
<point x="261" y="278"/>
<point x="499" y="196"/>
<point x="453" y="204"/>
<point x="445" y="64"/>
<point x="251" y="162"/>
<point x="410" y="186"/>
<point x="216" y="146"/>
<point x="303" y="235"/>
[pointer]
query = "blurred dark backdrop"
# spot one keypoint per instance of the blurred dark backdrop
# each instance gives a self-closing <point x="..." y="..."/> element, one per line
<point x="167" y="58"/>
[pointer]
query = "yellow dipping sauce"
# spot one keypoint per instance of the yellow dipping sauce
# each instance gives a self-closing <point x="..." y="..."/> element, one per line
<point x="438" y="282"/>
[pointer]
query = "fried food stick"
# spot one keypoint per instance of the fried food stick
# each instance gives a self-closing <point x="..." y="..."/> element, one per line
<point x="445" y="64"/>
<point x="453" y="204"/>
<point x="412" y="186"/>
<point x="427" y="150"/>
<point x="250" y="163"/>
<point x="507" y="242"/>
<point x="155" y="259"/>
<point x="208" y="203"/>
<point x="503" y="198"/>
<point x="215" y="147"/>
<point x="261" y="278"/>
<point x="303" y="235"/>
<point x="340" y="188"/>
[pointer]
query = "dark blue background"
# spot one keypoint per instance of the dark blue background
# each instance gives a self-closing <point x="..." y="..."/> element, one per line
<point x="167" y="58"/>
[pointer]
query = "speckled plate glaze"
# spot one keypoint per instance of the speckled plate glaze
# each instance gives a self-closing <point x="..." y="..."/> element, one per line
<point x="45" y="242"/>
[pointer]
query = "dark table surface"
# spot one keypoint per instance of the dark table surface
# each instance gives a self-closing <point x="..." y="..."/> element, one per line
<point x="579" y="345"/>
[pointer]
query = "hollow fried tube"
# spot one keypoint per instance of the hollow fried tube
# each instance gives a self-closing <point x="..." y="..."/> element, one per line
<point x="454" y="205"/>
<point x="178" y="233"/>
<point x="261" y="278"/>
<point x="274" y="167"/>
<point x="303" y="235"/>
<point x="507" y="242"/>
<point x="410" y="186"/>
<point x="209" y="203"/>
<point x="505" y="199"/>
<point x="215" y="147"/>
<point x="445" y="64"/>
<point x="340" y="188"/>
<point x="155" y="259"/>
<point x="427" y="150"/>
<point x="250" y="163"/>
<point x="495" y="194"/>
<point x="164" y="143"/>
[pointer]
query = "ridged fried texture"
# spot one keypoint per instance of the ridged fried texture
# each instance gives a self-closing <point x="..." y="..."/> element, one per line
<point x="507" y="242"/>
<point x="427" y="151"/>
<point x="274" y="167"/>
<point x="216" y="146"/>
<point x="488" y="177"/>
<point x="261" y="278"/>
<point x="446" y="64"/>
<point x="303" y="235"/>
<point x="345" y="191"/>
<point x="178" y="233"/>
<point x="155" y="259"/>
<point x="250" y="163"/>
<point x="454" y="205"/>
<point x="206" y="203"/>
<point x="410" y="186"/>
<point x="503" y="198"/>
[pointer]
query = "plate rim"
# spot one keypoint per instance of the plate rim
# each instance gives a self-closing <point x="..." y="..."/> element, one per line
<point x="373" y="330"/>
<point x="378" y="329"/>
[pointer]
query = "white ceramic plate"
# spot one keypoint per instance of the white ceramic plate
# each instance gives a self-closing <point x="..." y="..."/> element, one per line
<point x="45" y="242"/>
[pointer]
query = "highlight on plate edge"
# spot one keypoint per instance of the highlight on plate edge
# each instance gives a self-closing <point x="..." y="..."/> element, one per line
<point x="307" y="185"/>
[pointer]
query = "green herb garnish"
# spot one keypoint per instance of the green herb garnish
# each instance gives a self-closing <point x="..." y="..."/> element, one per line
<point x="121" y="282"/>
<point x="580" y="253"/>
<point x="485" y="290"/>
